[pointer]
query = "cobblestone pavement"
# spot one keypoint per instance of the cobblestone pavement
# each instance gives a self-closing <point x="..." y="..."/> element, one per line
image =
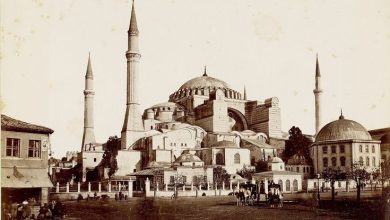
<point x="193" y="208"/>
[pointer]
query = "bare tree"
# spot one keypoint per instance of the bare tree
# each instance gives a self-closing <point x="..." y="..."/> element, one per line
<point x="359" y="174"/>
<point x="331" y="175"/>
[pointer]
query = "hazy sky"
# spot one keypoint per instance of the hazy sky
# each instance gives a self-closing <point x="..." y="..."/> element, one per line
<point x="268" y="46"/>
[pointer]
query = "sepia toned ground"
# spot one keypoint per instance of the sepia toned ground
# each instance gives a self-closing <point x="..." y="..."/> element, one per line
<point x="210" y="208"/>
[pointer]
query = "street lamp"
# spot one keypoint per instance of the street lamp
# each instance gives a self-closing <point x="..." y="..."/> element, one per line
<point x="318" y="187"/>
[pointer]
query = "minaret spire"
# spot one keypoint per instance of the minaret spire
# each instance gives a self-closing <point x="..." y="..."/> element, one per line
<point x="317" y="96"/>
<point x="245" y="93"/>
<point x="133" y="128"/>
<point x="88" y="142"/>
<point x="205" y="71"/>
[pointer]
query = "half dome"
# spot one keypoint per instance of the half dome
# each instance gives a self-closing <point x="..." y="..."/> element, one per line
<point x="343" y="129"/>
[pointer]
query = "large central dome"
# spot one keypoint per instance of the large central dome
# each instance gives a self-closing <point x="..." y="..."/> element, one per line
<point x="343" y="129"/>
<point x="204" y="82"/>
<point x="203" y="86"/>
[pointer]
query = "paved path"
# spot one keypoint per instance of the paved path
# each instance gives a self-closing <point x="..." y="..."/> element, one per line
<point x="193" y="208"/>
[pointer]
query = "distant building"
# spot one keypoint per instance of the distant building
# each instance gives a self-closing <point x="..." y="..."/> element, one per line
<point x="24" y="161"/>
<point x="289" y="181"/>
<point x="382" y="135"/>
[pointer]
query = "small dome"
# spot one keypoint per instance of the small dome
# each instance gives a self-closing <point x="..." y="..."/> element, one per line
<point x="188" y="157"/>
<point x="385" y="139"/>
<point x="343" y="129"/>
<point x="276" y="160"/>
<point x="225" y="144"/>
<point x="204" y="82"/>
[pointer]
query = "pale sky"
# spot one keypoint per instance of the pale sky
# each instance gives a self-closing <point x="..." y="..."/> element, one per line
<point x="268" y="46"/>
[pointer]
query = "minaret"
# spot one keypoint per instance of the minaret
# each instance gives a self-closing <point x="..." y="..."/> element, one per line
<point x="244" y="93"/>
<point x="89" y="135"/>
<point x="317" y="97"/>
<point x="132" y="128"/>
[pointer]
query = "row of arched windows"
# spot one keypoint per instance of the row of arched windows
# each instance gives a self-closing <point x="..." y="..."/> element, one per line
<point x="325" y="161"/>
<point x="288" y="185"/>
<point x="367" y="149"/>
<point x="367" y="162"/>
<point x="333" y="149"/>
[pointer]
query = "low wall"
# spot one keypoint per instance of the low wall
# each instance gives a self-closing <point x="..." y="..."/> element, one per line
<point x="188" y="193"/>
<point x="74" y="195"/>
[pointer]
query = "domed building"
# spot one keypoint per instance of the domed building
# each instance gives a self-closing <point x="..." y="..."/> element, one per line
<point x="343" y="142"/>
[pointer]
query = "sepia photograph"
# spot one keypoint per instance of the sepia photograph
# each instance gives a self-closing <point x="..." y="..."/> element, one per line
<point x="195" y="109"/>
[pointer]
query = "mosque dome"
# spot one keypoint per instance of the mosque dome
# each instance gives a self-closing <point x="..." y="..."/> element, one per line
<point x="343" y="129"/>
<point x="204" y="82"/>
<point x="188" y="157"/>
<point x="276" y="160"/>
<point x="204" y="85"/>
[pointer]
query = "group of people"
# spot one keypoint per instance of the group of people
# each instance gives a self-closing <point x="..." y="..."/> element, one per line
<point x="245" y="196"/>
<point x="275" y="197"/>
<point x="23" y="210"/>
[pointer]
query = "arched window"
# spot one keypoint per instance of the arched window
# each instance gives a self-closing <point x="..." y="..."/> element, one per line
<point x="333" y="149"/>
<point x="373" y="148"/>
<point x="334" y="161"/>
<point x="373" y="162"/>
<point x="325" y="161"/>
<point x="219" y="159"/>
<point x="384" y="157"/>
<point x="360" y="148"/>
<point x="367" y="161"/>
<point x="237" y="158"/>
<point x="342" y="149"/>
<point x="280" y="182"/>
<point x="361" y="160"/>
<point x="295" y="185"/>
<point x="367" y="150"/>
<point x="287" y="185"/>
<point x="325" y="149"/>
<point x="342" y="161"/>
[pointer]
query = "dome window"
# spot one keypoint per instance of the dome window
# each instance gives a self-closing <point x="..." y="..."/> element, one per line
<point x="373" y="149"/>
<point x="334" y="161"/>
<point x="360" y="148"/>
<point x="342" y="149"/>
<point x="325" y="162"/>
<point x="342" y="161"/>
<point x="325" y="149"/>
<point x="333" y="149"/>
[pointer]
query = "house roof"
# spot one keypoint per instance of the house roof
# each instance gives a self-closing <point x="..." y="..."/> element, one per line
<point x="11" y="124"/>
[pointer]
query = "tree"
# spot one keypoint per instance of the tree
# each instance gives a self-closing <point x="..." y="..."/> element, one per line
<point x="297" y="143"/>
<point x="111" y="149"/>
<point x="199" y="181"/>
<point x="359" y="174"/>
<point x="332" y="175"/>
<point x="261" y="166"/>
<point x="220" y="175"/>
<point x="384" y="172"/>
<point x="246" y="172"/>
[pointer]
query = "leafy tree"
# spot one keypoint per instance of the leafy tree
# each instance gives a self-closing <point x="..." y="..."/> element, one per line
<point x="111" y="149"/>
<point x="297" y="143"/>
<point x="384" y="172"/>
<point x="200" y="180"/>
<point x="359" y="174"/>
<point x="246" y="172"/>
<point x="261" y="166"/>
<point x="220" y="175"/>
<point x="332" y="175"/>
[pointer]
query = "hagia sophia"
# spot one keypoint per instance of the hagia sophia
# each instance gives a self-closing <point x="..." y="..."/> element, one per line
<point x="206" y="123"/>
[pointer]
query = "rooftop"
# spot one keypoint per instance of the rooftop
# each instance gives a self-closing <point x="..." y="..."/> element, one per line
<point x="11" y="124"/>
